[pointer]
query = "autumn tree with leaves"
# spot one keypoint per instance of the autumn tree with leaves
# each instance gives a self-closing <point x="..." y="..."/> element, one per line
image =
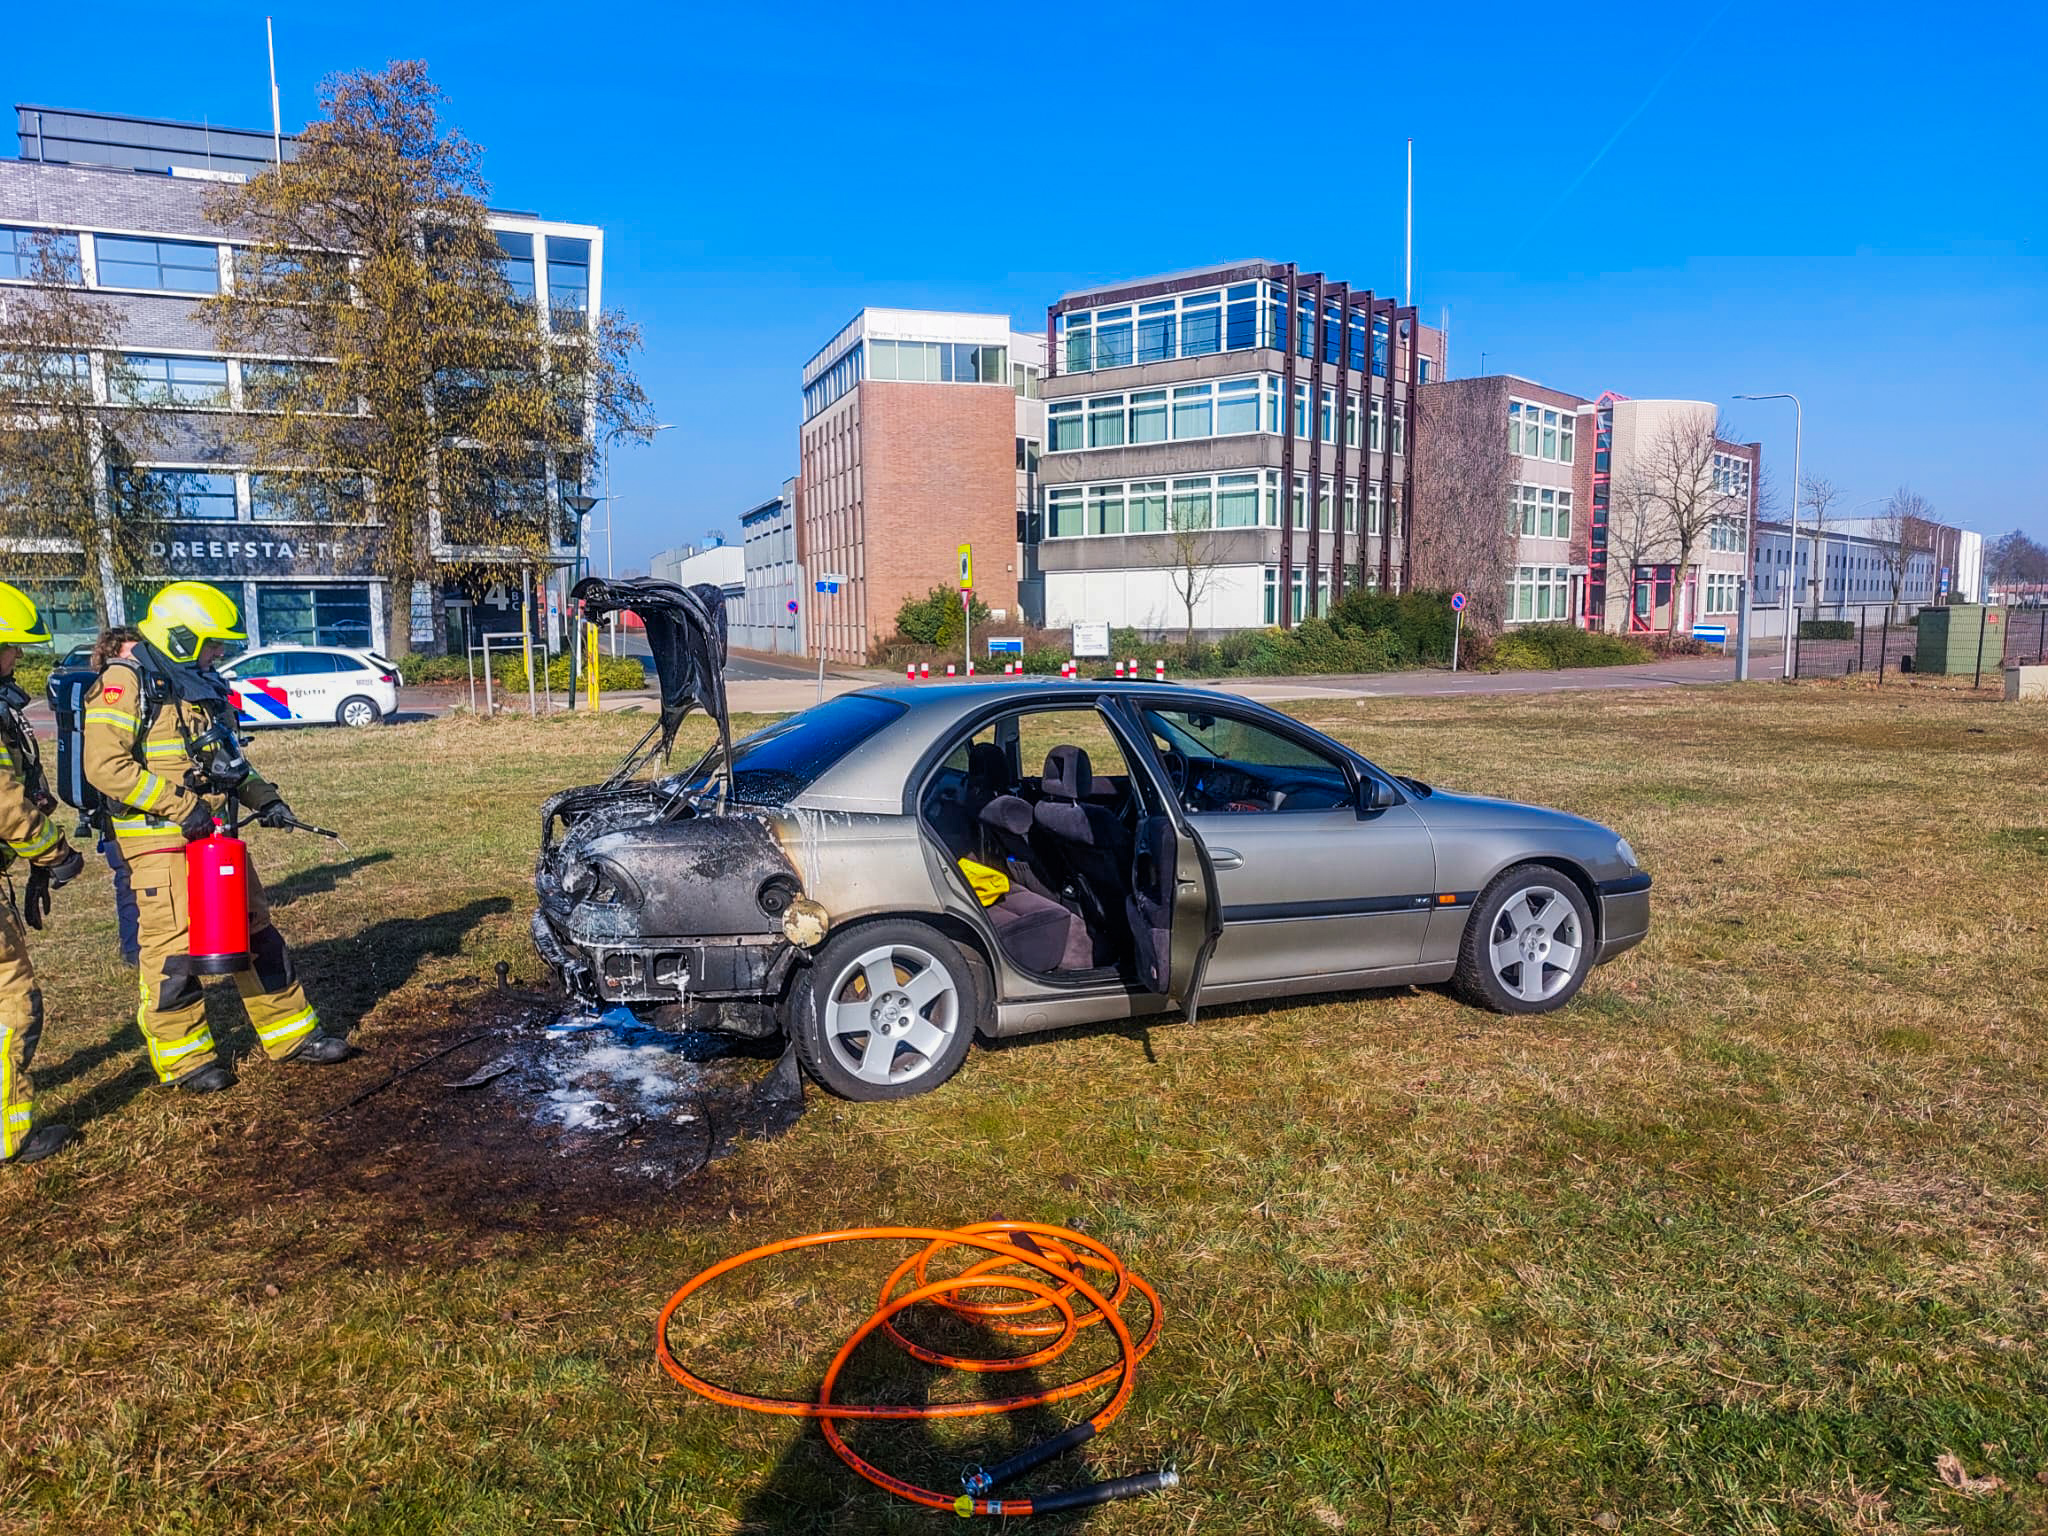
<point x="411" y="388"/>
<point x="63" y="450"/>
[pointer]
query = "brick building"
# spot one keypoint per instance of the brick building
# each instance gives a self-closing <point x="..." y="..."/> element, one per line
<point x="1166" y="452"/>
<point x="911" y="445"/>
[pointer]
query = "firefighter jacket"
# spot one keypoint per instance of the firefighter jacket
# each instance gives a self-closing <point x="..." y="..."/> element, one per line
<point x="136" y="756"/>
<point x="26" y="832"/>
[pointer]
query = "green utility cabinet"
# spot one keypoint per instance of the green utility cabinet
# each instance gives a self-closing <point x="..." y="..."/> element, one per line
<point x="1949" y="637"/>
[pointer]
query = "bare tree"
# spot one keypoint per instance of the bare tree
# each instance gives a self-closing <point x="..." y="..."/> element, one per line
<point x="1461" y="468"/>
<point x="1904" y="529"/>
<point x="2014" y="559"/>
<point x="1818" y="495"/>
<point x="65" y="445"/>
<point x="1674" y="496"/>
<point x="433" y="406"/>
<point x="1191" y="557"/>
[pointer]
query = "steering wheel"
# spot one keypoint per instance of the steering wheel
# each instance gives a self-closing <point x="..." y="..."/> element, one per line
<point x="1175" y="762"/>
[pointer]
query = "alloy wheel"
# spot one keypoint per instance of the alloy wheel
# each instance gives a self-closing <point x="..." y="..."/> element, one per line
<point x="1536" y="944"/>
<point x="891" y="1013"/>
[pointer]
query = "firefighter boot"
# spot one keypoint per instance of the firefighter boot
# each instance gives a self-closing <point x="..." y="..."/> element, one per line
<point x="41" y="1142"/>
<point x="320" y="1049"/>
<point x="211" y="1078"/>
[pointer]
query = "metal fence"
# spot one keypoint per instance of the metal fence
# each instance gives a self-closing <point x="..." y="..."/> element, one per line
<point x="1876" y="639"/>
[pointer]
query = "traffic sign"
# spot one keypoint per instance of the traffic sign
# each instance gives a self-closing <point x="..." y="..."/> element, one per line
<point x="1711" y="634"/>
<point x="966" y="567"/>
<point x="1457" y="602"/>
<point x="829" y="582"/>
<point x="792" y="605"/>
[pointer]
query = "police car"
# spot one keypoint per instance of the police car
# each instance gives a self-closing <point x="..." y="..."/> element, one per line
<point x="311" y="685"/>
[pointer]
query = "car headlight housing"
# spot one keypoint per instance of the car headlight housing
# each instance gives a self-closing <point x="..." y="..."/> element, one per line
<point x="1626" y="854"/>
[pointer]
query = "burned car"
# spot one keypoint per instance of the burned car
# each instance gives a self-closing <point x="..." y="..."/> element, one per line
<point x="887" y="874"/>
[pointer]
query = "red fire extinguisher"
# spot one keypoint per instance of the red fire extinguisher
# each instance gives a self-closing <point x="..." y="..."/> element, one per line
<point x="217" y="890"/>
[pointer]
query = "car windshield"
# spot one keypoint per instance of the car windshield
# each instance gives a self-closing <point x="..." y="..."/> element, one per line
<point x="783" y="760"/>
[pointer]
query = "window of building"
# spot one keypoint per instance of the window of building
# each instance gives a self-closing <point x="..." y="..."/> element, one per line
<point x="1378" y="424"/>
<point x="1156" y="331"/>
<point x="1063" y="426"/>
<point x="308" y="498"/>
<point x="1106" y="421"/>
<point x="1148" y="416"/>
<point x="1201" y="324"/>
<point x="178" y="266"/>
<point x="1540" y="432"/>
<point x="1148" y="506"/>
<point x="516" y="262"/>
<point x="1106" y="509"/>
<point x="182" y="495"/>
<point x="1351" y="506"/>
<point x="313" y="615"/>
<point x="1725" y="533"/>
<point x="568" y="282"/>
<point x="835" y="381"/>
<point x="1297" y="502"/>
<point x="1731" y="475"/>
<point x="48" y="376"/>
<point x="1237" y="501"/>
<point x="1080" y="343"/>
<point x="1326" y="412"/>
<point x="1063" y="512"/>
<point x="1193" y="413"/>
<point x="1241" y="327"/>
<point x="1300" y="422"/>
<point x="1539" y="594"/>
<point x="1113" y="337"/>
<point x="1372" y="507"/>
<point x="1191" y="504"/>
<point x="27" y="255"/>
<point x="1024" y="379"/>
<point x="1237" y="407"/>
<point x="146" y="379"/>
<point x="1400" y="427"/>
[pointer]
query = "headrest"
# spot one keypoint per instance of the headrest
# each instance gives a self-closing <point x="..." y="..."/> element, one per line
<point x="988" y="767"/>
<point x="1008" y="813"/>
<point x="1067" y="774"/>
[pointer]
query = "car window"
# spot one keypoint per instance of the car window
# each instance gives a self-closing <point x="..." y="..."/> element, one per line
<point x="1229" y="764"/>
<point x="1040" y="730"/>
<point x="328" y="661"/>
<point x="276" y="664"/>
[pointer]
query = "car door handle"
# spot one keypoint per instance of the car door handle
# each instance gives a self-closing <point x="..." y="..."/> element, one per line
<point x="1226" y="858"/>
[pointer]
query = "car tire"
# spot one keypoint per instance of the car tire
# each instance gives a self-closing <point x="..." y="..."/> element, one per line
<point x="886" y="1011"/>
<point x="357" y="711"/>
<point x="1529" y="944"/>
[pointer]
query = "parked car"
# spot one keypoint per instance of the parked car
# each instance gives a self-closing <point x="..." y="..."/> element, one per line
<point x="889" y="873"/>
<point x="311" y="684"/>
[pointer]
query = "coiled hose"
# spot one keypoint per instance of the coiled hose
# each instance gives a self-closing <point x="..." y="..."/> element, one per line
<point x="1063" y="1257"/>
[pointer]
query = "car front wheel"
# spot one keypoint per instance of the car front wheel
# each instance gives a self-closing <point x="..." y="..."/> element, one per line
<point x="358" y="711"/>
<point x="1529" y="944"/>
<point x="887" y="1011"/>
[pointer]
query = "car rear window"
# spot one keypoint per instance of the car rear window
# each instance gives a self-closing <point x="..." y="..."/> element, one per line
<point x="785" y="759"/>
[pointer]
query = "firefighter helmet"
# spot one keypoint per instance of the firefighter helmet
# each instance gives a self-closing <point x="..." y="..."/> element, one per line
<point x="187" y="614"/>
<point x="20" y="624"/>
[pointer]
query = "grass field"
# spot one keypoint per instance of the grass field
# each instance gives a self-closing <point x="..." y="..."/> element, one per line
<point x="1748" y="1239"/>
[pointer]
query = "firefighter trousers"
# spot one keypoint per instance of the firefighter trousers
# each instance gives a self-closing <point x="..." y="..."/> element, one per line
<point x="173" y="1005"/>
<point x="21" y="1027"/>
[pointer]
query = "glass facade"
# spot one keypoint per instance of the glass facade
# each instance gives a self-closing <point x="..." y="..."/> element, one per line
<point x="1247" y="499"/>
<point x="1212" y="408"/>
<point x="147" y="379"/>
<point x="1540" y="432"/>
<point x="186" y="495"/>
<point x="21" y="250"/>
<point x="937" y="362"/>
<point x="517" y="262"/>
<point x="314" y="615"/>
<point x="1225" y="319"/>
<point x="568" y="283"/>
<point x="835" y="381"/>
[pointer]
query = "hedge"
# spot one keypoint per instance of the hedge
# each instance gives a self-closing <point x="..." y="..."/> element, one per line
<point x="1546" y="647"/>
<point x="1827" y="629"/>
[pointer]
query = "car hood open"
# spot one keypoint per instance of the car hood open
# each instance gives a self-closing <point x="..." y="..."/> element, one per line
<point x="685" y="631"/>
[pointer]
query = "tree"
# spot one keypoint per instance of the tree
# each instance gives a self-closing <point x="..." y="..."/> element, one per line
<point x="425" y="400"/>
<point x="63" y="451"/>
<point x="2016" y="559"/>
<point x="1674" y="497"/>
<point x="1904" y="529"/>
<point x="1818" y="495"/>
<point x="1460" y="470"/>
<point x="1191" y="555"/>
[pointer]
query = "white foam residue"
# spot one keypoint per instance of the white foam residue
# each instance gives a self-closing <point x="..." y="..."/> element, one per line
<point x="577" y="1109"/>
<point x="649" y="1071"/>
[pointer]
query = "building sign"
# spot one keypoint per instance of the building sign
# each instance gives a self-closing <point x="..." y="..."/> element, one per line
<point x="1091" y="639"/>
<point x="243" y="549"/>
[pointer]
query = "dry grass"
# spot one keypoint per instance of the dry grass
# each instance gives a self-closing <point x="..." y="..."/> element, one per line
<point x="1746" y="1240"/>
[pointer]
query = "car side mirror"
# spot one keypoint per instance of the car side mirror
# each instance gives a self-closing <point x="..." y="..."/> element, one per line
<point x="1376" y="794"/>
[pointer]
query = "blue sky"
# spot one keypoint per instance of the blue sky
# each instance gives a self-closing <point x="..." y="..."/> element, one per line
<point x="1850" y="204"/>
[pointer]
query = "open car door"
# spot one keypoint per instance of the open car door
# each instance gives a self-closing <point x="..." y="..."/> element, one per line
<point x="1175" y="914"/>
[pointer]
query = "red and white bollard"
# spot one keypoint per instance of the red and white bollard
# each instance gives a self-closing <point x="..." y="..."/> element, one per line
<point x="970" y="669"/>
<point x="949" y="669"/>
<point x="924" y="671"/>
<point x="1119" y="670"/>
<point x="910" y="672"/>
<point x="1158" y="671"/>
<point x="1131" y="668"/>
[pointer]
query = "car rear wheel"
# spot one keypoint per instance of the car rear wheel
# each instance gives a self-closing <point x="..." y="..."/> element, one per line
<point x="358" y="711"/>
<point x="887" y="1011"/>
<point x="1529" y="944"/>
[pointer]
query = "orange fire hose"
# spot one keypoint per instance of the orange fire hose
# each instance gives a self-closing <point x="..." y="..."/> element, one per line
<point x="1063" y="1257"/>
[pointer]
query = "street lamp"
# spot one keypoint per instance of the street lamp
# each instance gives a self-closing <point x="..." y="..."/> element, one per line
<point x="609" y="438"/>
<point x="581" y="505"/>
<point x="1792" y="531"/>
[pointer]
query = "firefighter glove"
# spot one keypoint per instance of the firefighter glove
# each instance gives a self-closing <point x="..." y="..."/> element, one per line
<point x="65" y="870"/>
<point x="276" y="814"/>
<point x="35" y="905"/>
<point x="198" y="823"/>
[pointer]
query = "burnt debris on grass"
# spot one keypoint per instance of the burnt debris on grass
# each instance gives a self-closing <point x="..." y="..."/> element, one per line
<point x="501" y="1114"/>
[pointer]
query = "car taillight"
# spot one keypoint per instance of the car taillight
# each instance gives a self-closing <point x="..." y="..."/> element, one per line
<point x="388" y="677"/>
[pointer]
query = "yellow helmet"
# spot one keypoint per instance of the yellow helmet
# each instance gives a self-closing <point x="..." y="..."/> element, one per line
<point x="20" y="624"/>
<point x="185" y="615"/>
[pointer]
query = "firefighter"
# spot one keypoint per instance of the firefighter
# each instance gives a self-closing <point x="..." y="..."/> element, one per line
<point x="159" y="739"/>
<point x="26" y="832"/>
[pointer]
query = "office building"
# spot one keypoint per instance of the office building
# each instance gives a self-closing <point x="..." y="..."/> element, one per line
<point x="1166" y="458"/>
<point x="124" y="195"/>
<point x="1854" y="563"/>
<point x="912" y="427"/>
<point x="763" y="620"/>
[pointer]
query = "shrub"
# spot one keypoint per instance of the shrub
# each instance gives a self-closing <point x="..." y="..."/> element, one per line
<point x="1677" y="645"/>
<point x="934" y="619"/>
<point x="32" y="673"/>
<point x="1826" y="629"/>
<point x="1421" y="622"/>
<point x="614" y="672"/>
<point x="1546" y="647"/>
